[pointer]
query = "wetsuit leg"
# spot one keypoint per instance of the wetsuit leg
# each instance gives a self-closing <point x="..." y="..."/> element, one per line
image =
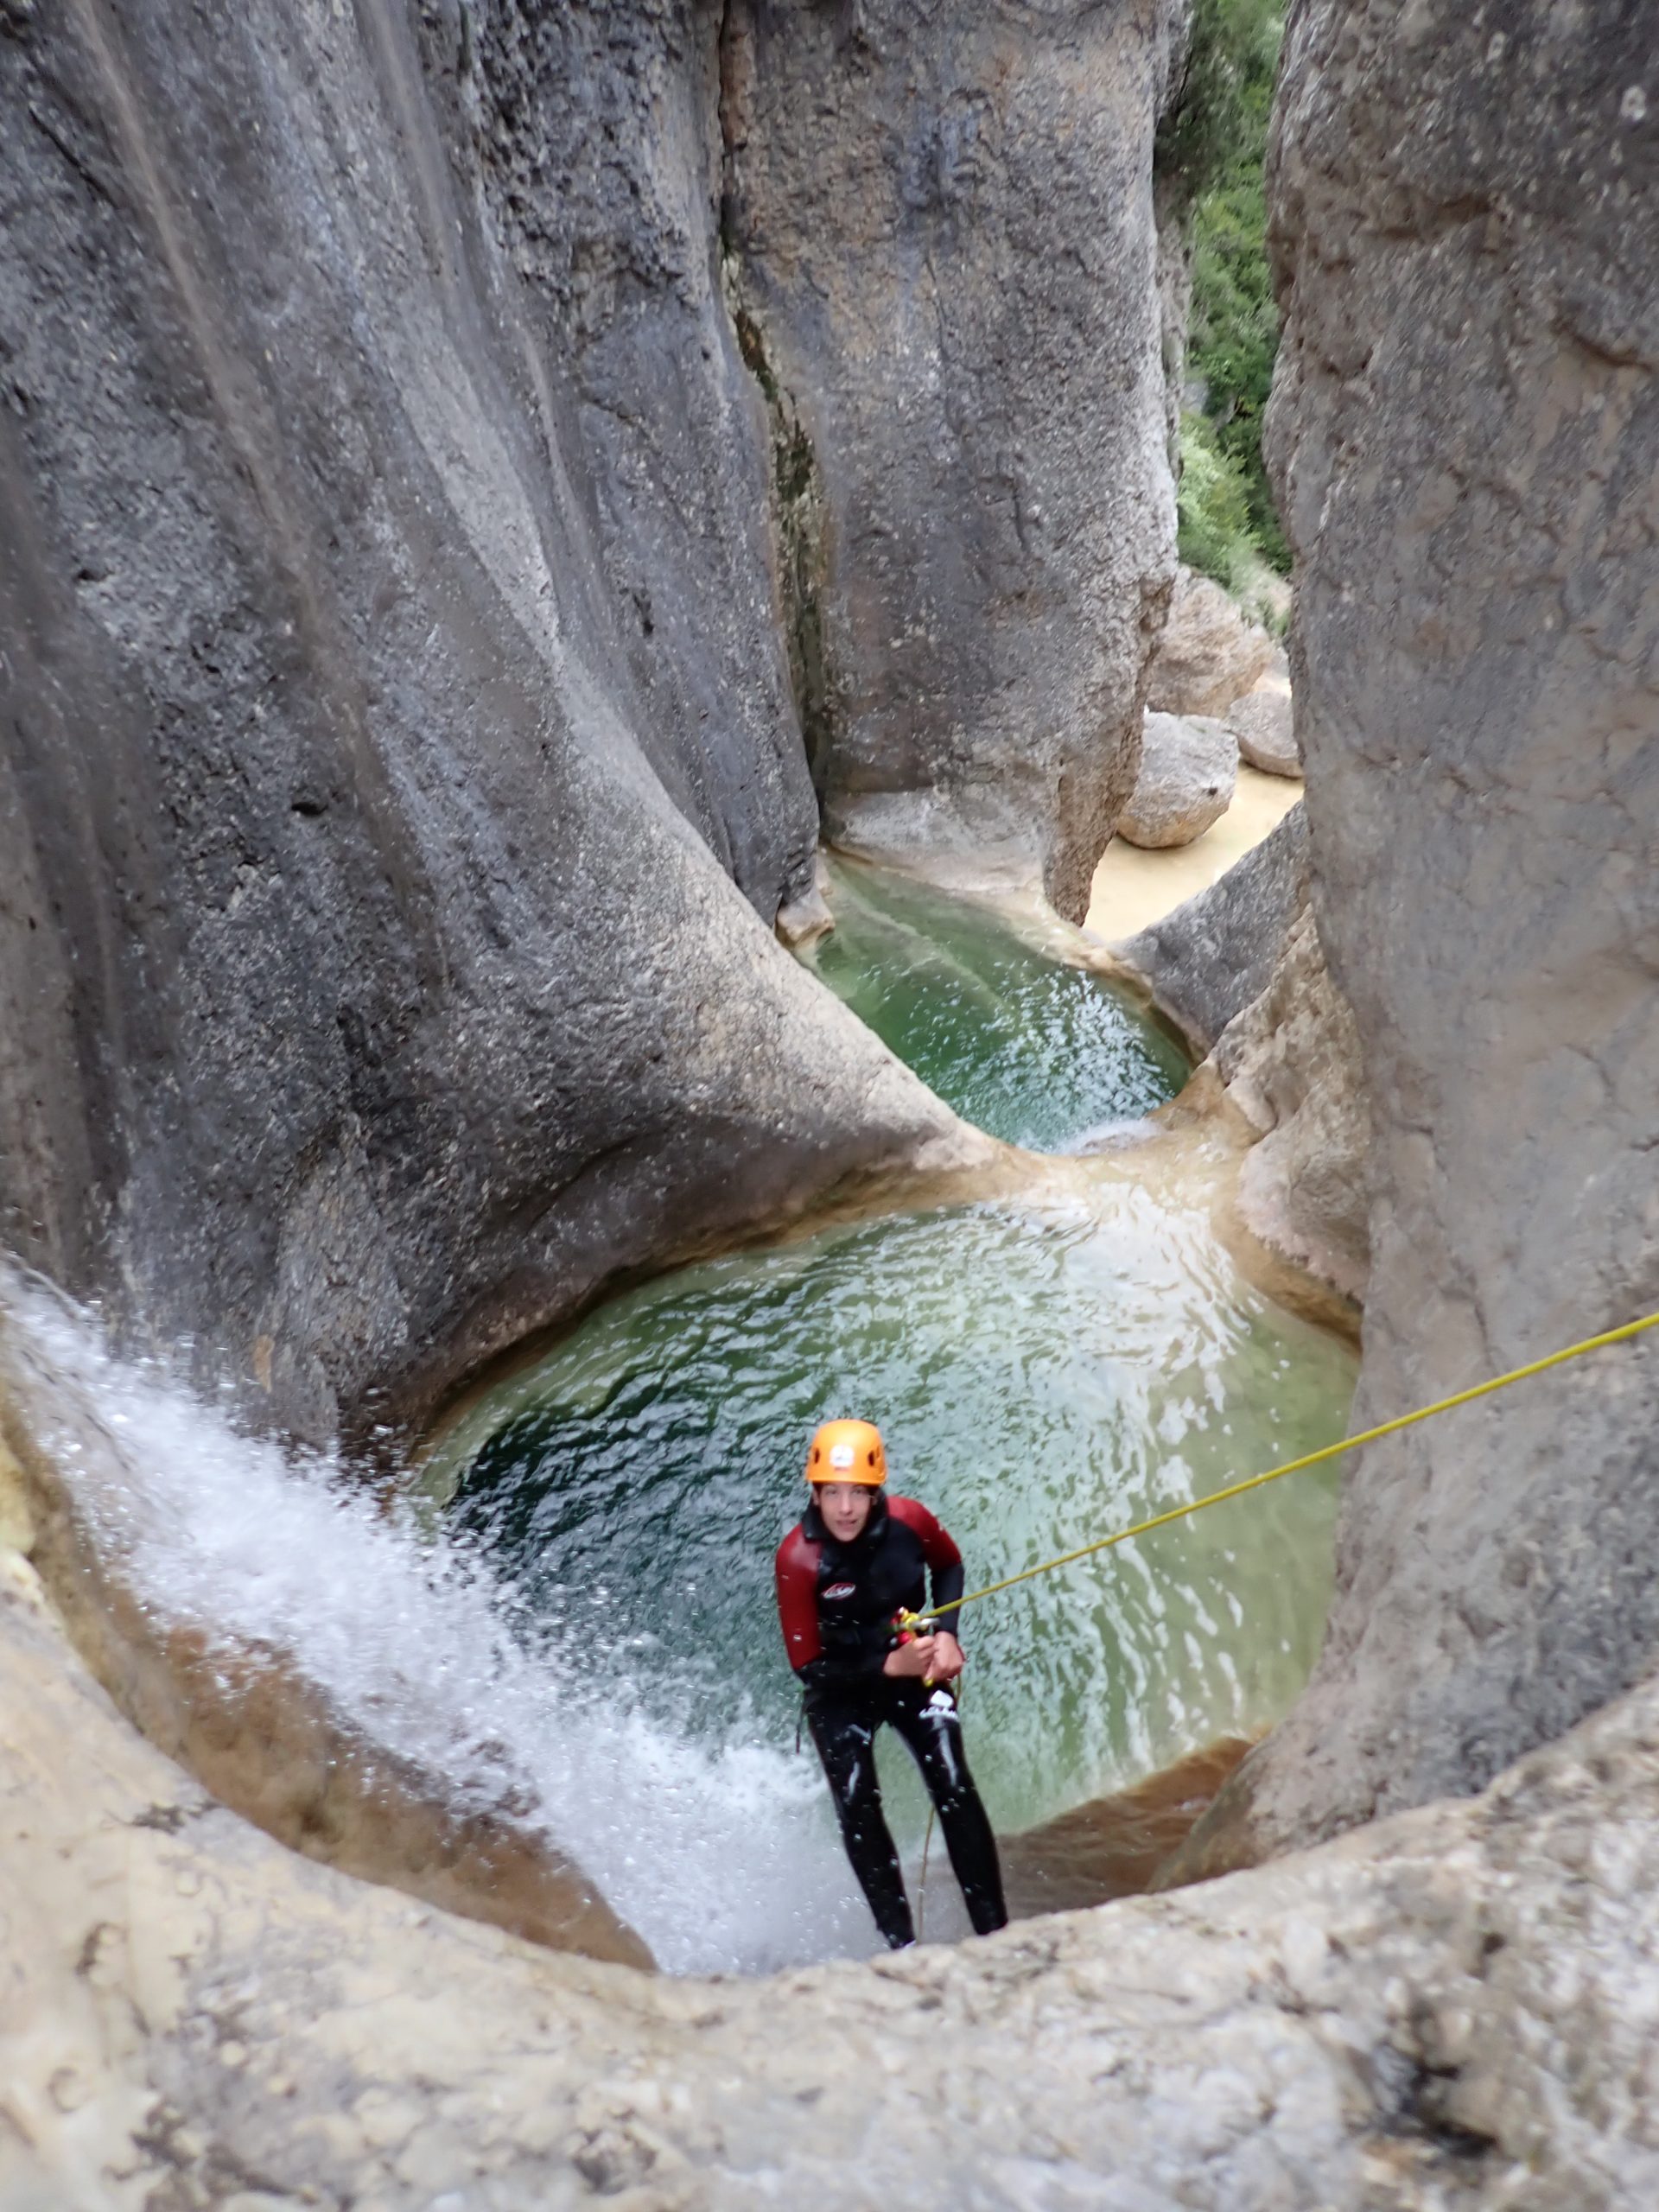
<point x="845" y="1736"/>
<point x="929" y="1724"/>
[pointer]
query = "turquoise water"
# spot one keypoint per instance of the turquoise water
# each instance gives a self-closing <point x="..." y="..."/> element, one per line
<point x="1029" y="1048"/>
<point x="1043" y="1372"/>
<point x="1045" y="1367"/>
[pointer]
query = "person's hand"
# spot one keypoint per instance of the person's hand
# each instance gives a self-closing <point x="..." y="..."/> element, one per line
<point x="947" y="1657"/>
<point x="911" y="1659"/>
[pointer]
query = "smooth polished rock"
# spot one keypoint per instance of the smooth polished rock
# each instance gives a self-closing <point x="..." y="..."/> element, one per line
<point x="1452" y="2009"/>
<point x="1189" y="767"/>
<point x="1263" y="721"/>
<point x="1207" y="958"/>
<point x="1291" y="1062"/>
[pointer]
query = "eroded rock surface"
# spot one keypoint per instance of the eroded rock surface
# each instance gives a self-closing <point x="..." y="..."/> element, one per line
<point x="1209" y="652"/>
<point x="943" y="239"/>
<point x="1291" y="1063"/>
<point x="1241" y="970"/>
<point x="1263" y="721"/>
<point x="1465" y="436"/>
<point x="401" y="772"/>
<point x="1450" y="2010"/>
<point x="248" y="1718"/>
<point x="1189" y="768"/>
<point x="1208" y="958"/>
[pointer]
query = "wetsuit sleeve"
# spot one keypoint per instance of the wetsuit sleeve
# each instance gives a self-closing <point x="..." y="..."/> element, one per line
<point x="797" y="1571"/>
<point x="847" y="1670"/>
<point x="945" y="1572"/>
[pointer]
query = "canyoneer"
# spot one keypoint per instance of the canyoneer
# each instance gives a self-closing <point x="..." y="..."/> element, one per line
<point x="854" y="1565"/>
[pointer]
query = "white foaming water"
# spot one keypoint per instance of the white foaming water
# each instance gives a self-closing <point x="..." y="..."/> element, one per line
<point x="723" y="1858"/>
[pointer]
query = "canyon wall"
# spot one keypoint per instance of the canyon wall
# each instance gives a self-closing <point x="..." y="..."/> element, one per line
<point x="942" y="238"/>
<point x="1465" y="438"/>
<point x="1451" y="2010"/>
<point x="402" y="621"/>
<point x="400" y="771"/>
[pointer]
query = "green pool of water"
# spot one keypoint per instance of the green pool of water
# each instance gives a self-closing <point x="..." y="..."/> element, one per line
<point x="1028" y="1047"/>
<point x="1043" y="1372"/>
<point x="1045" y="1369"/>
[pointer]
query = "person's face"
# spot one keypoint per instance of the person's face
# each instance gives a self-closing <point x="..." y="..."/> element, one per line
<point x="845" y="1508"/>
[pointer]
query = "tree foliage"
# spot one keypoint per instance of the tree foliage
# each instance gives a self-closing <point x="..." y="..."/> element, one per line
<point x="1213" y="143"/>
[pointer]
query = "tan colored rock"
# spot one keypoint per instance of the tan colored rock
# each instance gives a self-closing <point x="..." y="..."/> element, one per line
<point x="1450" y="2010"/>
<point x="803" y="920"/>
<point x="265" y="1740"/>
<point x="1291" y="1062"/>
<point x="1210" y="654"/>
<point x="1264" y="724"/>
<point x="1189" y="767"/>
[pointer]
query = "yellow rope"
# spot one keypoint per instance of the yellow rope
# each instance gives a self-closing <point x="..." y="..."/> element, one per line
<point x="1294" y="1466"/>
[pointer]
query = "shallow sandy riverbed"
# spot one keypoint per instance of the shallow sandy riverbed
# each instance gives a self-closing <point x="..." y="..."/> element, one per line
<point x="1133" y="889"/>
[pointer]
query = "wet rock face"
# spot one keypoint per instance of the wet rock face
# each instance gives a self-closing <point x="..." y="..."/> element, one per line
<point x="1467" y="437"/>
<point x="941" y="229"/>
<point x="400" y="773"/>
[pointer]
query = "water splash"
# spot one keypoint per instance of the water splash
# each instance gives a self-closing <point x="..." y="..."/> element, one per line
<point x="716" y="1848"/>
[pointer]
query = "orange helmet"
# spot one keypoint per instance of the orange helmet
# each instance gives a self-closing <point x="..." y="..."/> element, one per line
<point x="847" y="1452"/>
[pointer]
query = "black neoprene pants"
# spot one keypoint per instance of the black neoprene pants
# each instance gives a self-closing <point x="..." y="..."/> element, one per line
<point x="843" y="1728"/>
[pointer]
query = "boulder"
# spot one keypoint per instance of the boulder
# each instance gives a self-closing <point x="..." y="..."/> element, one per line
<point x="1205" y="960"/>
<point x="1189" y="766"/>
<point x="1208" y="654"/>
<point x="1264" y="723"/>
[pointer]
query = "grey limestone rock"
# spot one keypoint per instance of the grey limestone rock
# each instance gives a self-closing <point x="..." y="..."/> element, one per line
<point x="1241" y="972"/>
<point x="1465" y="438"/>
<point x="1189" y="766"/>
<point x="1209" y="652"/>
<point x="1291" y="1063"/>
<point x="941" y="235"/>
<point x="1263" y="721"/>
<point x="400" y="772"/>
<point x="1206" y="961"/>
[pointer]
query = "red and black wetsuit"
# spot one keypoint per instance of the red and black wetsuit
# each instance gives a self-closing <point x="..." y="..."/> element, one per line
<point x="838" y="1604"/>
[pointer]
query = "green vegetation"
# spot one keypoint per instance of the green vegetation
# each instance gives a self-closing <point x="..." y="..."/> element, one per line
<point x="1212" y="144"/>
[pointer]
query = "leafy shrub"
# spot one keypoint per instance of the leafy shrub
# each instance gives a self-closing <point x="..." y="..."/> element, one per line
<point x="1213" y="143"/>
<point x="1217" y="113"/>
